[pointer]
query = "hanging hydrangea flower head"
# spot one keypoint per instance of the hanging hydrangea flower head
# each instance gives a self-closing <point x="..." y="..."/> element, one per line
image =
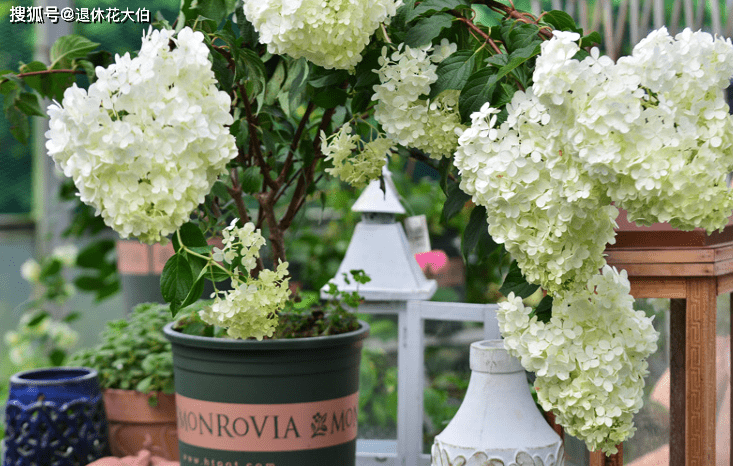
<point x="590" y="358"/>
<point x="405" y="76"/>
<point x="147" y="141"/>
<point x="329" y="33"/>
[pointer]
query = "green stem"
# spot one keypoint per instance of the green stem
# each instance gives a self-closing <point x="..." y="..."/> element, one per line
<point x="208" y="259"/>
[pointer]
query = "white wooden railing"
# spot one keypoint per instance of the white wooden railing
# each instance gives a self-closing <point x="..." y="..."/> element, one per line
<point x="406" y="449"/>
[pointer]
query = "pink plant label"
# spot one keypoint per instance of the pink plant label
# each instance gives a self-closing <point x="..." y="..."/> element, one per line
<point x="262" y="427"/>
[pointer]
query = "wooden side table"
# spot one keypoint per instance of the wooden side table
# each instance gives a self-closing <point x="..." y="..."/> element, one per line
<point x="691" y="269"/>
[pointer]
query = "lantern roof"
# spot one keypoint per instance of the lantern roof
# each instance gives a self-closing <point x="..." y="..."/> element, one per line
<point x="374" y="199"/>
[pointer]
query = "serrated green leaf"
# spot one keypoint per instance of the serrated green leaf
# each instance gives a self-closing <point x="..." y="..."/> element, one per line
<point x="476" y="229"/>
<point x="454" y="202"/>
<point x="214" y="274"/>
<point x="484" y="16"/>
<point x="191" y="235"/>
<point x="68" y="48"/>
<point x="19" y="126"/>
<point x="427" y="29"/>
<point x="561" y="21"/>
<point x="88" y="68"/>
<point x="453" y="72"/>
<point x="195" y="294"/>
<point x="477" y="91"/>
<point x="544" y="310"/>
<point x="517" y="35"/>
<point x="480" y="85"/>
<point x="516" y="283"/>
<point x="27" y="103"/>
<point x="254" y="69"/>
<point x="321" y="77"/>
<point x="273" y="86"/>
<point x="432" y="6"/>
<point x="591" y="39"/>
<point x="251" y="180"/>
<point x="176" y="281"/>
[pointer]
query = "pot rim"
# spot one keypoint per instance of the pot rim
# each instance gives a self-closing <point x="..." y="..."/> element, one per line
<point x="66" y="375"/>
<point x="177" y="337"/>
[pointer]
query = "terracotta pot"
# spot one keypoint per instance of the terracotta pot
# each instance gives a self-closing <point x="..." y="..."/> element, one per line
<point x="134" y="424"/>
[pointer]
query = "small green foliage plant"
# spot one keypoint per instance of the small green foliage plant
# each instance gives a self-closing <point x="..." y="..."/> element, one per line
<point x="134" y="353"/>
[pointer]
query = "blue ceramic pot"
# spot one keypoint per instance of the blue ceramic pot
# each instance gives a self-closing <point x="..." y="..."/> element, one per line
<point x="55" y="417"/>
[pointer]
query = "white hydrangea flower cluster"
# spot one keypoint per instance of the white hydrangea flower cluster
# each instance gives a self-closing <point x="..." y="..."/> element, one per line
<point x="331" y="34"/>
<point x="549" y="214"/>
<point x="356" y="169"/>
<point x="405" y="76"/>
<point x="590" y="358"/>
<point x="149" y="138"/>
<point x="250" y="309"/>
<point x="654" y="127"/>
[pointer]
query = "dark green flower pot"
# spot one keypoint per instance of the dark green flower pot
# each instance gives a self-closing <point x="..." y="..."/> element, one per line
<point x="267" y="403"/>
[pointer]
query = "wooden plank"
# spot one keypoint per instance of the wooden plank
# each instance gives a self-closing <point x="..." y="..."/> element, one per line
<point x="669" y="270"/>
<point x="725" y="285"/>
<point x="596" y="458"/>
<point x="652" y="287"/>
<point x="656" y="256"/>
<point x="677" y="348"/>
<point x="723" y="267"/>
<point x="700" y="380"/>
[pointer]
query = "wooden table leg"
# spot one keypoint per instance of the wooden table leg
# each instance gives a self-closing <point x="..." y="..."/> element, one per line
<point x="700" y="370"/>
<point x="598" y="458"/>
<point x="677" y="334"/>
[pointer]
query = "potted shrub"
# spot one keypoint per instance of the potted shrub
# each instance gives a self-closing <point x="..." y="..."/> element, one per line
<point x="135" y="368"/>
<point x="226" y="122"/>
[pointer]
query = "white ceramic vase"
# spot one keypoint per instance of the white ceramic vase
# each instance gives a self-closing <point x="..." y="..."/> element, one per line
<point x="498" y="423"/>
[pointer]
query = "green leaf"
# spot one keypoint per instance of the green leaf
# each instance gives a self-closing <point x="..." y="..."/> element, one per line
<point x="27" y="103"/>
<point x="71" y="317"/>
<point x="517" y="35"/>
<point x="19" y="126"/>
<point x="561" y="21"/>
<point x="455" y="200"/>
<point x="476" y="229"/>
<point x="88" y="283"/>
<point x="195" y="294"/>
<point x="477" y="91"/>
<point x="480" y="85"/>
<point x="214" y="274"/>
<point x="191" y="235"/>
<point x="251" y="180"/>
<point x="38" y="318"/>
<point x="515" y="282"/>
<point x="544" y="310"/>
<point x="321" y="77"/>
<point x="330" y="98"/>
<point x="432" y="6"/>
<point x="590" y="40"/>
<point x="216" y="10"/>
<point x="484" y="16"/>
<point x="144" y="385"/>
<point x="68" y="48"/>
<point x="88" y="68"/>
<point x="453" y="72"/>
<point x="273" y="86"/>
<point x="93" y="255"/>
<point x="57" y="357"/>
<point x="427" y="29"/>
<point x="176" y="281"/>
<point x="254" y="69"/>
